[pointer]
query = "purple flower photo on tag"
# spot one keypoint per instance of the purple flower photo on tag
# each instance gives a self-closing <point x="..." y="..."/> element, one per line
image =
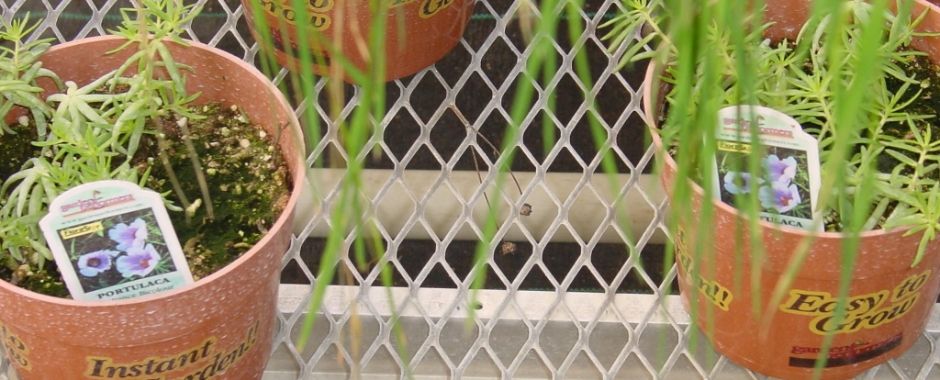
<point x="92" y="264"/>
<point x="765" y="158"/>
<point x="118" y="249"/>
<point x="780" y="170"/>
<point x="114" y="240"/>
<point x="737" y="183"/>
<point x="128" y="236"/>
<point x="783" y="185"/>
<point x="139" y="261"/>
<point x="781" y="196"/>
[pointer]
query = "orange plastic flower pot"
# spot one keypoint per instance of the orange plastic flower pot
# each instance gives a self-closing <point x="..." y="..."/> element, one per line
<point x="417" y="33"/>
<point x="220" y="327"/>
<point x="889" y="300"/>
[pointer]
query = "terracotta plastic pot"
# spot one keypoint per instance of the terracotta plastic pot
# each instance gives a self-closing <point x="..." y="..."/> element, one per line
<point x="418" y="32"/>
<point x="221" y="326"/>
<point x="890" y="300"/>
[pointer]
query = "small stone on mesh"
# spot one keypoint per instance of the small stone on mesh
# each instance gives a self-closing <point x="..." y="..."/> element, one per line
<point x="507" y="248"/>
<point x="526" y="209"/>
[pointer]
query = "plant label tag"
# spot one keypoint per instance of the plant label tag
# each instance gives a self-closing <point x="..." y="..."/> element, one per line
<point x="789" y="185"/>
<point x="113" y="240"/>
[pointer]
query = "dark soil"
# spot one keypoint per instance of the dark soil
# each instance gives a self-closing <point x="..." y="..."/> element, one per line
<point x="248" y="180"/>
<point x="17" y="148"/>
<point x="46" y="280"/>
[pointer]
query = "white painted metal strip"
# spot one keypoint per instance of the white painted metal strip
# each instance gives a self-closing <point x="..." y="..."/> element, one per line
<point x="442" y="207"/>
<point x="536" y="305"/>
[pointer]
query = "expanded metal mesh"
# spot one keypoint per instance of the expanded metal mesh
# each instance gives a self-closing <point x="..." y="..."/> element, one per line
<point x="564" y="298"/>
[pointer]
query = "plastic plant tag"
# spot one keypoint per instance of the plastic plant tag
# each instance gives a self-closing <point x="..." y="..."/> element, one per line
<point x="789" y="187"/>
<point x="113" y="240"/>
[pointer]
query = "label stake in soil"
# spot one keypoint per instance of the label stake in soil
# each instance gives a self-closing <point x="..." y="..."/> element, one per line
<point x="114" y="240"/>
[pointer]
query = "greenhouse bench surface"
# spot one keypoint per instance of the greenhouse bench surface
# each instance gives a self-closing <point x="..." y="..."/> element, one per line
<point x="667" y="325"/>
<point x="563" y="299"/>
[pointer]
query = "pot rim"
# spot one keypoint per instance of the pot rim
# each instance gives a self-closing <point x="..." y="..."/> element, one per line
<point x="650" y="114"/>
<point x="281" y="222"/>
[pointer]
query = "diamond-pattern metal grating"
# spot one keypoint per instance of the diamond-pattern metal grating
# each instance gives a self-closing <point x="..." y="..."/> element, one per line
<point x="564" y="299"/>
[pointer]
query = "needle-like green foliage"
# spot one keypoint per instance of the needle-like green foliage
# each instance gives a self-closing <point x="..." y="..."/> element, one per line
<point x="90" y="132"/>
<point x="19" y="70"/>
<point x="799" y="78"/>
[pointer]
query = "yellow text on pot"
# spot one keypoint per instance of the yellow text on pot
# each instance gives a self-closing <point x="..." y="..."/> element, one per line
<point x="432" y="7"/>
<point x="204" y="361"/>
<point x="15" y="349"/>
<point x="318" y="20"/>
<point x="712" y="290"/>
<point x="865" y="311"/>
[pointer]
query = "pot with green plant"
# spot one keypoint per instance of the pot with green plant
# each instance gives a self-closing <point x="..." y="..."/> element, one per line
<point x="202" y="128"/>
<point x="784" y="277"/>
<point x="333" y="37"/>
